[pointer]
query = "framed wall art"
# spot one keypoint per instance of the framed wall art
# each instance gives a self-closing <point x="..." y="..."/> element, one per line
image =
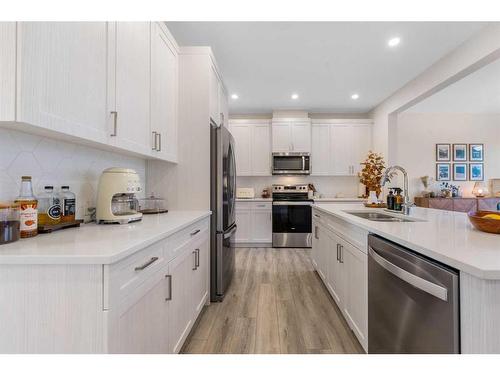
<point x="443" y="152"/>
<point x="443" y="172"/>
<point x="459" y="172"/>
<point x="476" y="171"/>
<point x="476" y="152"/>
<point x="459" y="152"/>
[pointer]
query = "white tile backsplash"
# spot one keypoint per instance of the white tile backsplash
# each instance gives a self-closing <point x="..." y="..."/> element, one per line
<point x="54" y="162"/>
<point x="327" y="186"/>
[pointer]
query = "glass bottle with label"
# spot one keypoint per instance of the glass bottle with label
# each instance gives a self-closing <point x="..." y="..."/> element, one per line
<point x="28" y="209"/>
<point x="68" y="205"/>
<point x="49" y="207"/>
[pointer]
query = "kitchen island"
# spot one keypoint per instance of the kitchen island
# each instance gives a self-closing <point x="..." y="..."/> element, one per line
<point x="444" y="236"/>
<point x="132" y="288"/>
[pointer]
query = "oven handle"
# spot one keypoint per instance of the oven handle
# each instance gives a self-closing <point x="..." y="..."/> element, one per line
<point x="291" y="203"/>
<point x="415" y="281"/>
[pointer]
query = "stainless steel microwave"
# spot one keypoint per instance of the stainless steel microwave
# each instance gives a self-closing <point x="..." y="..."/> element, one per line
<point x="291" y="163"/>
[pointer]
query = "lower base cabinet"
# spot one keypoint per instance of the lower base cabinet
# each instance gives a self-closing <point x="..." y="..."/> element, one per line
<point x="343" y="268"/>
<point x="255" y="225"/>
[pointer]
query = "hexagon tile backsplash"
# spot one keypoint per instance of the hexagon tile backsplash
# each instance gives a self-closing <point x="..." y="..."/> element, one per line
<point x="52" y="162"/>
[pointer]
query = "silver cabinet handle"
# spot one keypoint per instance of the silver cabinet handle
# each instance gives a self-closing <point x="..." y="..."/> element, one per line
<point x="194" y="267"/>
<point x="194" y="233"/>
<point x="197" y="258"/>
<point x="155" y="137"/>
<point x="159" y="142"/>
<point x="341" y="258"/>
<point x="319" y="217"/>
<point x="169" y="278"/>
<point x="115" y="123"/>
<point x="261" y="205"/>
<point x="147" y="264"/>
<point x="316" y="232"/>
<point x="338" y="251"/>
<point x="414" y="280"/>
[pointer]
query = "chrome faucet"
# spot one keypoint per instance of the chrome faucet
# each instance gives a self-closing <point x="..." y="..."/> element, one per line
<point x="407" y="205"/>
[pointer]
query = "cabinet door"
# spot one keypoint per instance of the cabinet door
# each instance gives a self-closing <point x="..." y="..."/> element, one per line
<point x="8" y="71"/>
<point x="242" y="134"/>
<point x="320" y="150"/>
<point x="336" y="272"/>
<point x="214" y="96"/>
<point x="133" y="86"/>
<point x="180" y="303"/>
<point x="322" y="252"/>
<point x="341" y="150"/>
<point x="244" y="223"/>
<point x="362" y="143"/>
<point x="62" y="77"/>
<point x="262" y="226"/>
<point x="200" y="275"/>
<point x="261" y="150"/>
<point x="164" y="95"/>
<point x="315" y="249"/>
<point x="281" y="136"/>
<point x="223" y="106"/>
<point x="301" y="136"/>
<point x="356" y="294"/>
<point x="142" y="326"/>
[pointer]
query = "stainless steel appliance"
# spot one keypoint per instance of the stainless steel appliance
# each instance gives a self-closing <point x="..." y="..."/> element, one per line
<point x="291" y="163"/>
<point x="222" y="202"/>
<point x="292" y="216"/>
<point x="413" y="301"/>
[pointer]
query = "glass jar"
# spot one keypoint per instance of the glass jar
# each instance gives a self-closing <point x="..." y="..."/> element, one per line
<point x="10" y="223"/>
<point x="49" y="207"/>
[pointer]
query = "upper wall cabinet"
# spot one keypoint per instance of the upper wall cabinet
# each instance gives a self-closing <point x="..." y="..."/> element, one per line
<point x="63" y="77"/>
<point x="253" y="147"/>
<point x="339" y="146"/>
<point x="112" y="84"/>
<point x="291" y="136"/>
<point x="164" y="93"/>
<point x="8" y="71"/>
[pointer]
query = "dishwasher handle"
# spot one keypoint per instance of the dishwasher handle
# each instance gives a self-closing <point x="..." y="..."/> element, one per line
<point x="414" y="280"/>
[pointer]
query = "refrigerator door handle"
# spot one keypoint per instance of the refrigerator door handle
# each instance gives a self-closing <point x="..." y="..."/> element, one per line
<point x="230" y="233"/>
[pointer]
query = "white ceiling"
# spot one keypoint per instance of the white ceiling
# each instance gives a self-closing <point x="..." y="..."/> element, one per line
<point x="479" y="92"/>
<point x="324" y="62"/>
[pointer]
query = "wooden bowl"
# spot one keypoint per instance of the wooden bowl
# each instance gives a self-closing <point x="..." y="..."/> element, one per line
<point x="485" y="224"/>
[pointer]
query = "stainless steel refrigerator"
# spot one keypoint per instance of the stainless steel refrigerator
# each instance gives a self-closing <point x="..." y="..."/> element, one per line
<point x="222" y="202"/>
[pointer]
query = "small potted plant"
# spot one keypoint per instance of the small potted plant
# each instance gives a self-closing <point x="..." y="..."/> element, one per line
<point x="371" y="174"/>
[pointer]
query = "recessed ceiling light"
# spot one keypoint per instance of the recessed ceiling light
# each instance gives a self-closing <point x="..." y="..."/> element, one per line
<point x="234" y="96"/>
<point x="355" y="96"/>
<point x="295" y="96"/>
<point x="393" y="42"/>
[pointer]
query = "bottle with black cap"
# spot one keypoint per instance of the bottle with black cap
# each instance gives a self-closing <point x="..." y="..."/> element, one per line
<point x="390" y="199"/>
<point x="68" y="204"/>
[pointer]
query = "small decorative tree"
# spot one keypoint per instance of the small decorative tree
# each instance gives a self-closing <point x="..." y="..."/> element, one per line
<point x="372" y="171"/>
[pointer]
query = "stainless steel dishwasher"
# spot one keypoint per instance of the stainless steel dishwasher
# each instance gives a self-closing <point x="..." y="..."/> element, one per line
<point x="413" y="301"/>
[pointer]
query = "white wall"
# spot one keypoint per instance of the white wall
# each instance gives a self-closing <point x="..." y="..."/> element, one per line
<point x="467" y="58"/>
<point x="56" y="163"/>
<point x="327" y="186"/>
<point x="419" y="158"/>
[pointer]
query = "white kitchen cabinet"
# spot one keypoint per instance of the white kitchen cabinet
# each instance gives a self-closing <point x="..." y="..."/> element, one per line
<point x="320" y="150"/>
<point x="343" y="268"/>
<point x="254" y="221"/>
<point x="180" y="300"/>
<point x="253" y="147"/>
<point x="291" y="136"/>
<point x="356" y="290"/>
<point x="164" y="94"/>
<point x="8" y="71"/>
<point x="200" y="274"/>
<point x="242" y="134"/>
<point x="244" y="223"/>
<point x="262" y="224"/>
<point x="143" y="327"/>
<point x="131" y="99"/>
<point x="63" y="78"/>
<point x="214" y="96"/>
<point x="339" y="146"/>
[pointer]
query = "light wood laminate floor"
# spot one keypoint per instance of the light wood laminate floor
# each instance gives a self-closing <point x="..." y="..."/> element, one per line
<point x="276" y="304"/>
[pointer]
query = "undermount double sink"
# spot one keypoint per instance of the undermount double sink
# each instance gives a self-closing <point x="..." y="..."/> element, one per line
<point x="380" y="216"/>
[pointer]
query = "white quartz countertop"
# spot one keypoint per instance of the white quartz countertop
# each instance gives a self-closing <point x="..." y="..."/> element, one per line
<point x="445" y="236"/>
<point x="343" y="199"/>
<point x="97" y="244"/>
<point x="254" y="199"/>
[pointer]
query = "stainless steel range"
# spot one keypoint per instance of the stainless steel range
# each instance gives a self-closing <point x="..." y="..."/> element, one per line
<point x="292" y="221"/>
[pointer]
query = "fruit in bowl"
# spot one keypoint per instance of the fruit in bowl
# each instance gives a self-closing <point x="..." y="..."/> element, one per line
<point x="486" y="221"/>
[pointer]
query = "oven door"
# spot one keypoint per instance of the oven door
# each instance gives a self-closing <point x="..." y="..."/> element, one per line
<point x="292" y="224"/>
<point x="290" y="164"/>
